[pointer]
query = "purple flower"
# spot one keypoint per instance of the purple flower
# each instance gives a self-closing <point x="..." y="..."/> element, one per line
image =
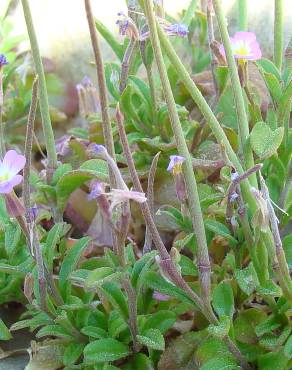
<point x="244" y="46"/>
<point x="175" y="164"/>
<point x="126" y="26"/>
<point x="9" y="168"/>
<point x="177" y="29"/>
<point x="96" y="190"/>
<point x="174" y="29"/>
<point x="3" y="61"/>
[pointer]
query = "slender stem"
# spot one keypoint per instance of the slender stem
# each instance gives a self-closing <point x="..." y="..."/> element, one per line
<point x="278" y="34"/>
<point x="166" y="262"/>
<point x="204" y="5"/>
<point x="132" y="304"/>
<point x="284" y="274"/>
<point x="28" y="148"/>
<point x="2" y="141"/>
<point x="146" y="211"/>
<point x="106" y="123"/>
<point x="237" y="91"/>
<point x="211" y="39"/>
<point x="43" y="95"/>
<point x="243" y="15"/>
<point x="190" y="180"/>
<point x="150" y="198"/>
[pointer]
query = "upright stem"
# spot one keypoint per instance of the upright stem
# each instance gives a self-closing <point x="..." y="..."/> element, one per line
<point x="211" y="39"/>
<point x="2" y="141"/>
<point x="237" y="92"/>
<point x="190" y="180"/>
<point x="43" y="95"/>
<point x="106" y="123"/>
<point x="243" y="15"/>
<point x="278" y="34"/>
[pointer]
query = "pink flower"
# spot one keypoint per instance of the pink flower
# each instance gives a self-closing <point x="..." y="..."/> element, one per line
<point x="9" y="168"/>
<point x="244" y="46"/>
<point x="160" y="297"/>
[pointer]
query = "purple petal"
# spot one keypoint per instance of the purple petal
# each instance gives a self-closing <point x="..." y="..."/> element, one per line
<point x="14" y="162"/>
<point x="7" y="186"/>
<point x="160" y="297"/>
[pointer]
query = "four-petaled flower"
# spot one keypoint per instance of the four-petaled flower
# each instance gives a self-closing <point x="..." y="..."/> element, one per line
<point x="244" y="46"/>
<point x="11" y="165"/>
<point x="3" y="60"/>
<point x="175" y="164"/>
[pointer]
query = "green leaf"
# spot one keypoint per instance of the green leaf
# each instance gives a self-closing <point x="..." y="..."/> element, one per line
<point x="4" y="332"/>
<point x="245" y="323"/>
<point x="187" y="266"/>
<point x="140" y="265"/>
<point x="247" y="279"/>
<point x="12" y="238"/>
<point x="221" y="363"/>
<point x="111" y="39"/>
<point x="273" y="85"/>
<point x="72" y="353"/>
<point x="162" y="320"/>
<point x="53" y="238"/>
<point x="105" y="350"/>
<point x="220" y="229"/>
<point x="94" y="332"/>
<point x="269" y="67"/>
<point x="60" y="171"/>
<point x="53" y="330"/>
<point x="116" y="297"/>
<point x="220" y="331"/>
<point x="112" y="76"/>
<point x="140" y="361"/>
<point x="222" y="299"/>
<point x="268" y="325"/>
<point x="72" y="180"/>
<point x="98" y="277"/>
<point x="288" y="348"/>
<point x="153" y="339"/>
<point x="273" y="361"/>
<point x="70" y="263"/>
<point x="287" y="242"/>
<point x="269" y="287"/>
<point x="264" y="141"/>
<point x="156" y="282"/>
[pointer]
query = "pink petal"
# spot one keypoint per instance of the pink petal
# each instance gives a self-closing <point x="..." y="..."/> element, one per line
<point x="14" y="162"/>
<point x="246" y="36"/>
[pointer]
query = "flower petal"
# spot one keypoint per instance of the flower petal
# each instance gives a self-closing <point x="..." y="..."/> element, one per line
<point x="7" y="186"/>
<point x="14" y="161"/>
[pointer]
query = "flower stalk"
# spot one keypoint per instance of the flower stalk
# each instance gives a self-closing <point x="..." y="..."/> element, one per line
<point x="43" y="95"/>
<point x="190" y="180"/>
<point x="278" y="34"/>
<point x="237" y="91"/>
<point x="106" y="123"/>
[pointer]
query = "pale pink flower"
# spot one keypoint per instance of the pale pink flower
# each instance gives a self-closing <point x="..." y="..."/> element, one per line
<point x="11" y="165"/>
<point x="244" y="46"/>
<point x="118" y="196"/>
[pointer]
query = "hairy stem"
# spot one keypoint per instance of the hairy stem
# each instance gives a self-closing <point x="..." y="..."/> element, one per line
<point x="237" y="92"/>
<point x="278" y="34"/>
<point x="2" y="141"/>
<point x="190" y="180"/>
<point x="106" y="123"/>
<point x="243" y="15"/>
<point x="43" y="95"/>
<point x="150" y="198"/>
